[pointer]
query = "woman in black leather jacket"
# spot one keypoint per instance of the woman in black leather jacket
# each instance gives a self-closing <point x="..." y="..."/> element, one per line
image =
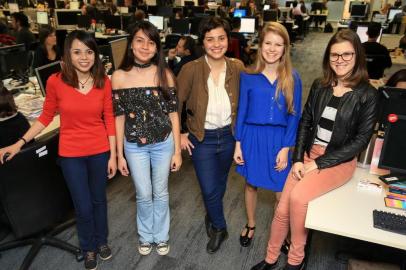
<point x="336" y="125"/>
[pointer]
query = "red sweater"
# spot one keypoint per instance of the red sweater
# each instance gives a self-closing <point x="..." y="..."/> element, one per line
<point x="86" y="120"/>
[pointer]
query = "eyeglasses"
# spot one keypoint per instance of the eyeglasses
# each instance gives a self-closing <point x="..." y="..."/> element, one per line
<point x="347" y="56"/>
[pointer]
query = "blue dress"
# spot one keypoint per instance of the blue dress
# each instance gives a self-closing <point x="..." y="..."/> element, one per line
<point x="263" y="127"/>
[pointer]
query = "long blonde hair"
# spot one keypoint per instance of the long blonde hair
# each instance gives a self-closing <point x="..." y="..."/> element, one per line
<point x="285" y="77"/>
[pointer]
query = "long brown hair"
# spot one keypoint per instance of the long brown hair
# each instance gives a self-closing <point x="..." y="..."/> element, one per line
<point x="69" y="75"/>
<point x="158" y="59"/>
<point x="285" y="77"/>
<point x="7" y="104"/>
<point x="359" y="73"/>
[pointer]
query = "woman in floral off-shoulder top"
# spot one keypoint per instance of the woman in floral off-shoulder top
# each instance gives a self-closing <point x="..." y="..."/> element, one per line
<point x="148" y="132"/>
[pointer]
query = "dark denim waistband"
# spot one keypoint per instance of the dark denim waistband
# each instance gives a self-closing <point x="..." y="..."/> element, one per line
<point x="225" y="128"/>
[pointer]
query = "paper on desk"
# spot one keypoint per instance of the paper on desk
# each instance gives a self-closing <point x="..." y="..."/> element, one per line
<point x="29" y="105"/>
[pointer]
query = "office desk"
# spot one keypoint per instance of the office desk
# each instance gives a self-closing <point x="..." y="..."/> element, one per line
<point x="347" y="211"/>
<point x="390" y="41"/>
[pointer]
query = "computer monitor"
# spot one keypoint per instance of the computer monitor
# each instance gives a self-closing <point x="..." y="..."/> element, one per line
<point x="13" y="59"/>
<point x="44" y="72"/>
<point x="84" y="21"/>
<point x="359" y="11"/>
<point x="123" y="10"/>
<point x="118" y="50"/>
<point x="74" y="5"/>
<point x="158" y="21"/>
<point x="13" y="7"/>
<point x="42" y="17"/>
<point x="189" y="3"/>
<point x="180" y="26"/>
<point x="60" y="4"/>
<point x="270" y="15"/>
<point x="394" y="148"/>
<point x="240" y="13"/>
<point x="66" y="19"/>
<point x="195" y="24"/>
<point x="316" y="6"/>
<point x="392" y="12"/>
<point x="150" y="2"/>
<point x="289" y="3"/>
<point x="391" y="101"/>
<point x="379" y="18"/>
<point x="247" y="25"/>
<point x="285" y="13"/>
<point x="362" y="33"/>
<point x="112" y="21"/>
<point x="266" y="7"/>
<point x="165" y="11"/>
<point x="153" y="10"/>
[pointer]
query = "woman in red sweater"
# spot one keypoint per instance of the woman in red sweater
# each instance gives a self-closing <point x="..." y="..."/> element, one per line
<point x="81" y="93"/>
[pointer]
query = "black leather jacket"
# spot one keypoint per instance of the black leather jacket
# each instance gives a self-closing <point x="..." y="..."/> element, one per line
<point x="353" y="126"/>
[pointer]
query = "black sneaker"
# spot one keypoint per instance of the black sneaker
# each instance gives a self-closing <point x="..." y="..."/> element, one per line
<point x="91" y="260"/>
<point x="105" y="252"/>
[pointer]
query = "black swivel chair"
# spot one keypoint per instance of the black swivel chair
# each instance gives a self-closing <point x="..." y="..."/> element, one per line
<point x="35" y="199"/>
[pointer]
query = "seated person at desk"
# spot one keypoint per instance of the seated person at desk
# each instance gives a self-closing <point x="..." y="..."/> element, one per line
<point x="244" y="46"/>
<point x="344" y="105"/>
<point x="5" y="38"/>
<point x="47" y="51"/>
<point x="185" y="49"/>
<point x="13" y="124"/>
<point x="377" y="55"/>
<point x="19" y="22"/>
<point x="297" y="9"/>
<point x="398" y="79"/>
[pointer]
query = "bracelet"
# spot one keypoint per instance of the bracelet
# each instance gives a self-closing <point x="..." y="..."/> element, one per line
<point x="24" y="140"/>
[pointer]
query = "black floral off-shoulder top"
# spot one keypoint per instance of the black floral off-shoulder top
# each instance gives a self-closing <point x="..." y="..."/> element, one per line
<point x="146" y="113"/>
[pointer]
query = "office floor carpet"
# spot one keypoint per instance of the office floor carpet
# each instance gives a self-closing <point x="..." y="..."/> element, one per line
<point x="187" y="236"/>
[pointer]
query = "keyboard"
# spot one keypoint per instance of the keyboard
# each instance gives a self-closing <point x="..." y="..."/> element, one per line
<point x="389" y="222"/>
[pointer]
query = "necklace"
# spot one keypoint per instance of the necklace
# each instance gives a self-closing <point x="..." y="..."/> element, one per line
<point x="142" y="65"/>
<point x="83" y="84"/>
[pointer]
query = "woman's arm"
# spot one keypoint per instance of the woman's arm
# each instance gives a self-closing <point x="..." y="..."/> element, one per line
<point x="109" y="122"/>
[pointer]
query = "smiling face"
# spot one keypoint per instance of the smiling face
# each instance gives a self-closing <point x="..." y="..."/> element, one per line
<point x="82" y="57"/>
<point x="143" y="48"/>
<point x="215" y="43"/>
<point x="342" y="59"/>
<point x="273" y="48"/>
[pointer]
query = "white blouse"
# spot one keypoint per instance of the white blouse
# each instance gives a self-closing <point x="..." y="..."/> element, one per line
<point x="218" y="113"/>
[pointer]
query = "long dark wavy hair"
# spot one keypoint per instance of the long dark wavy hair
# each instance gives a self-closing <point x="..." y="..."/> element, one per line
<point x="68" y="72"/>
<point x="44" y="32"/>
<point x="359" y="73"/>
<point x="158" y="59"/>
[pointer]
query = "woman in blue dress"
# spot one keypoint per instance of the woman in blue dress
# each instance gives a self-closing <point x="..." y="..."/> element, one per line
<point x="268" y="116"/>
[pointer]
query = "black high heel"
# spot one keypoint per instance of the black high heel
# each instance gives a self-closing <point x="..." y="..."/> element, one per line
<point x="245" y="241"/>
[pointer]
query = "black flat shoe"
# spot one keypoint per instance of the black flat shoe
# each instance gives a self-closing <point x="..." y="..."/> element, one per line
<point x="265" y="266"/>
<point x="245" y="241"/>
<point x="208" y="225"/>
<point x="295" y="267"/>
<point x="285" y="247"/>
<point x="216" y="239"/>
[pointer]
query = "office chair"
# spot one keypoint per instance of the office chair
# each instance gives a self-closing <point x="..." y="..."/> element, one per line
<point x="375" y="65"/>
<point x="35" y="199"/>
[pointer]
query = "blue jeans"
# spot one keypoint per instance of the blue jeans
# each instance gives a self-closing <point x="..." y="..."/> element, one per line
<point x="150" y="166"/>
<point x="86" y="178"/>
<point x="212" y="159"/>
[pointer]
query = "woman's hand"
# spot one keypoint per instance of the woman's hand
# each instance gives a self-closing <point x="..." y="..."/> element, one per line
<point x="282" y="159"/>
<point x="176" y="162"/>
<point x="185" y="143"/>
<point x="111" y="167"/>
<point x="122" y="166"/>
<point x="7" y="153"/>
<point x="310" y="166"/>
<point x="238" y="158"/>
<point x="298" y="170"/>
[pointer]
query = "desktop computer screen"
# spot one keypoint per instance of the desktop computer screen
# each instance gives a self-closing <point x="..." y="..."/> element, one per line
<point x="180" y="26"/>
<point x="247" y="25"/>
<point x="112" y="21"/>
<point x="158" y="21"/>
<point x="42" y="17"/>
<point x="84" y="21"/>
<point x="66" y="19"/>
<point x="266" y="7"/>
<point x="270" y="15"/>
<point x="392" y="12"/>
<point x="13" y="58"/>
<point x="240" y="13"/>
<point x="358" y="11"/>
<point x="289" y="3"/>
<point x="362" y="33"/>
<point x="394" y="146"/>
<point x="150" y="2"/>
<point x="391" y="101"/>
<point x="165" y="11"/>
<point x="74" y="5"/>
<point x="44" y="72"/>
